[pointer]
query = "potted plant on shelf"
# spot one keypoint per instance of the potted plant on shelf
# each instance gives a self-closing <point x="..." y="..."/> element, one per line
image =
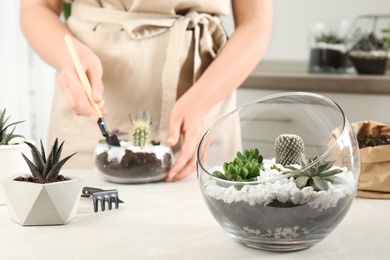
<point x="328" y="54"/>
<point x="45" y="197"/>
<point x="139" y="159"/>
<point x="369" y="49"/>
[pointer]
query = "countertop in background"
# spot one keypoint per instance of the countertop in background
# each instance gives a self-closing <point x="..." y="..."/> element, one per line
<point x="293" y="76"/>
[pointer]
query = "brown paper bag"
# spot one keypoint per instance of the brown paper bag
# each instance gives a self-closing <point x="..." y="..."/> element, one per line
<point x="375" y="163"/>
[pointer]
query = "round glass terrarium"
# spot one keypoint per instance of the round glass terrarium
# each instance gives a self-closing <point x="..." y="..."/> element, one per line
<point x="137" y="160"/>
<point x="368" y="43"/>
<point x="132" y="164"/>
<point x="285" y="206"/>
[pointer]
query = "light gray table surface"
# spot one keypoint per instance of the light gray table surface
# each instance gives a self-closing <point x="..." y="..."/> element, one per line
<point x="171" y="221"/>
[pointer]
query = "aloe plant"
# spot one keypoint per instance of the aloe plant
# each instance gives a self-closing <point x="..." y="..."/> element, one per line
<point x="46" y="169"/>
<point x="5" y="137"/>
<point x="331" y="38"/>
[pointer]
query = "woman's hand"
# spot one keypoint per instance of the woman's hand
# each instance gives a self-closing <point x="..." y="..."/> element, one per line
<point x="45" y="31"/>
<point x="238" y="58"/>
<point x="73" y="90"/>
<point x="187" y="127"/>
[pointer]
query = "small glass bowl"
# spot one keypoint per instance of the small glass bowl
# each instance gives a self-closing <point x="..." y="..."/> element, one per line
<point x="272" y="213"/>
<point x="132" y="164"/>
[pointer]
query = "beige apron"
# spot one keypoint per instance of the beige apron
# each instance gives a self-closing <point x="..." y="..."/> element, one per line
<point x="149" y="60"/>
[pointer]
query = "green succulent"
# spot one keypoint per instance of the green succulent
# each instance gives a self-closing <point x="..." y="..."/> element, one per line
<point x="330" y="37"/>
<point x="66" y="9"/>
<point x="386" y="38"/>
<point x="316" y="176"/>
<point x="288" y="149"/>
<point x="244" y="167"/>
<point x="4" y="136"/>
<point x="46" y="169"/>
<point x="141" y="129"/>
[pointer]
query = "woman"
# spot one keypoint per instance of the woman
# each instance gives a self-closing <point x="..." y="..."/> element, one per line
<point x="171" y="58"/>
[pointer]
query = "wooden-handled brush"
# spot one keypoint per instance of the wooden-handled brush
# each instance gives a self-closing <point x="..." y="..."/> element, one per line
<point x="113" y="139"/>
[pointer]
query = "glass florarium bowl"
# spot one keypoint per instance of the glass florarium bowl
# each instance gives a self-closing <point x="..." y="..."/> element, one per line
<point x="139" y="158"/>
<point x="132" y="164"/>
<point x="293" y="180"/>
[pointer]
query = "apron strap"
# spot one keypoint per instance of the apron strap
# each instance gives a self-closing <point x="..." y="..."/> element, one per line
<point x="171" y="73"/>
<point x="212" y="36"/>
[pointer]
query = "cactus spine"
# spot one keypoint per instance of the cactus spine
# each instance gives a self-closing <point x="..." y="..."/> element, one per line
<point x="141" y="129"/>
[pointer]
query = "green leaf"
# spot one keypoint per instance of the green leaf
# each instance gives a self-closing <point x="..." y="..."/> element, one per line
<point x="260" y="159"/>
<point x="52" y="175"/>
<point x="240" y="156"/>
<point x="332" y="172"/>
<point x="34" y="170"/>
<point x="320" y="183"/>
<point x="225" y="167"/>
<point x="312" y="171"/>
<point x="254" y="172"/>
<point x="244" y="173"/>
<point x="37" y="158"/>
<point x="219" y="174"/>
<point x="301" y="181"/>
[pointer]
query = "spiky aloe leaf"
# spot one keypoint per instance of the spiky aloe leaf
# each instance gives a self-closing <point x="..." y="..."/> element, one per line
<point x="4" y="136"/>
<point x="34" y="170"/>
<point x="52" y="175"/>
<point x="43" y="153"/>
<point x="37" y="157"/>
<point x="58" y="154"/>
<point x="50" y="159"/>
<point x="46" y="169"/>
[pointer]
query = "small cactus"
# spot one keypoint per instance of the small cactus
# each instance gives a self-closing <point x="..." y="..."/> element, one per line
<point x="288" y="149"/>
<point x="141" y="129"/>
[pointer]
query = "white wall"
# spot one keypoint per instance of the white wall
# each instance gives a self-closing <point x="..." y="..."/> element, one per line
<point x="27" y="83"/>
<point x="292" y="19"/>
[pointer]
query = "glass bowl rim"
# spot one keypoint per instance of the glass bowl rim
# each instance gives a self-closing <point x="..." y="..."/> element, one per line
<point x="262" y="99"/>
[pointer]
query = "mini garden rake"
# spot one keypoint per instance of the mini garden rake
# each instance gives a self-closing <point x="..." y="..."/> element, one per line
<point x="109" y="196"/>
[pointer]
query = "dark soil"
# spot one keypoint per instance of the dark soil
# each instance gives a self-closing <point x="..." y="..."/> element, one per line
<point x="374" y="66"/>
<point x="134" y="165"/>
<point x="268" y="219"/>
<point x="328" y="61"/>
<point x="373" y="140"/>
<point x="33" y="180"/>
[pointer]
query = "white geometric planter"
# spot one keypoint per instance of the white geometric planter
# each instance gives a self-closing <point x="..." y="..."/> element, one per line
<point x="42" y="204"/>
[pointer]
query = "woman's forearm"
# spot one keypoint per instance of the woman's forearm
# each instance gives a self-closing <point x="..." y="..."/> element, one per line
<point x="241" y="54"/>
<point x="44" y="30"/>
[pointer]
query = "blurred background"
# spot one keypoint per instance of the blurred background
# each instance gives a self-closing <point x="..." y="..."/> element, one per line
<point x="28" y="83"/>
